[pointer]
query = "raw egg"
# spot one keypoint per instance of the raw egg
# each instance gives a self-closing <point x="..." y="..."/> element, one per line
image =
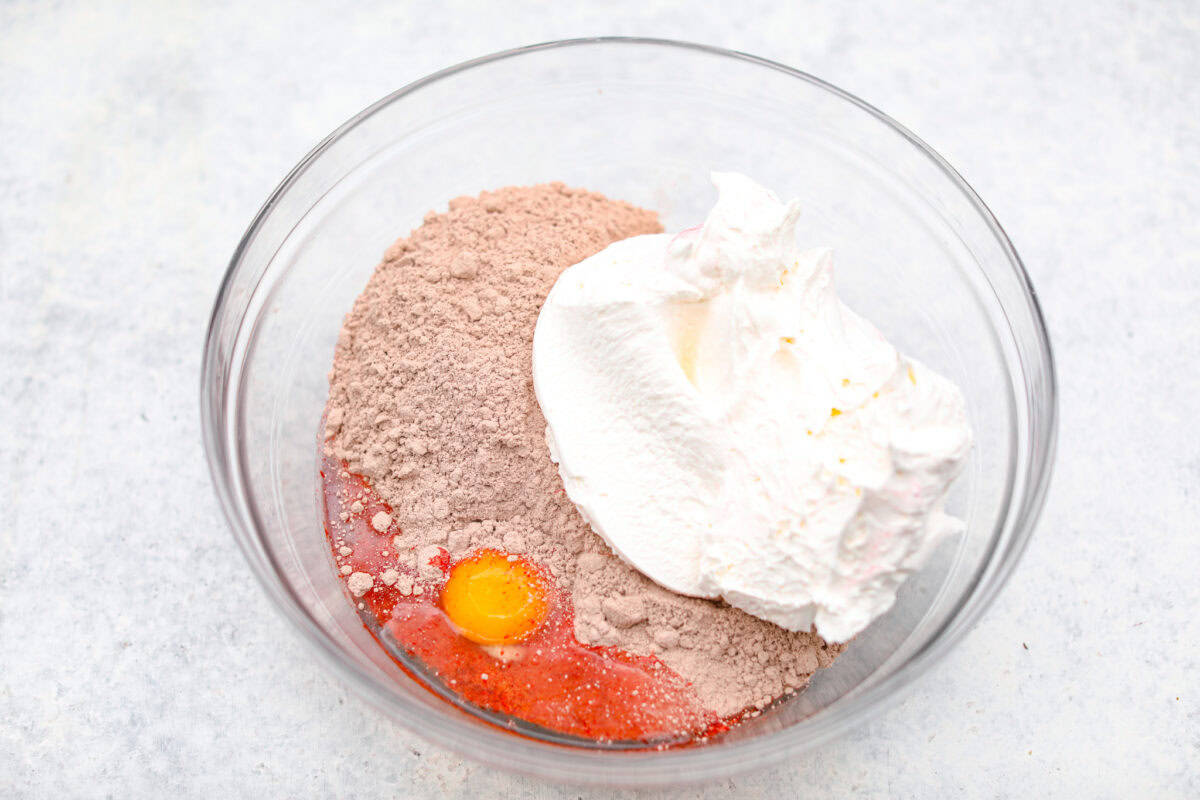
<point x="492" y="600"/>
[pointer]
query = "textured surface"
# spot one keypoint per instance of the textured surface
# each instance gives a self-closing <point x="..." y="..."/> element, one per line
<point x="138" y="657"/>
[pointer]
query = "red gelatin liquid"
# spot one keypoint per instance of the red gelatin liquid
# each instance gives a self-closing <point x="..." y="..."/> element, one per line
<point x="549" y="680"/>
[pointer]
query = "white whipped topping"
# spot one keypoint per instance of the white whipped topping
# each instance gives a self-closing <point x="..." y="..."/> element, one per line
<point x="733" y="430"/>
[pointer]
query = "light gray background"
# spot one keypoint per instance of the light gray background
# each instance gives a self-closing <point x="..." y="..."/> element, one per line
<point x="137" y="656"/>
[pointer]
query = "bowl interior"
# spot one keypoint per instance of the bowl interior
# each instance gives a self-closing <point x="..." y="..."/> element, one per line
<point x="643" y="122"/>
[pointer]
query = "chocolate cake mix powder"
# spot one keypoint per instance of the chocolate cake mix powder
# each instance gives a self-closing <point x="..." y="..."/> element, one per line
<point x="432" y="401"/>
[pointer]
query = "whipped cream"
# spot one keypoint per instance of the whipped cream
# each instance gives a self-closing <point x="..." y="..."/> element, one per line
<point x="732" y="430"/>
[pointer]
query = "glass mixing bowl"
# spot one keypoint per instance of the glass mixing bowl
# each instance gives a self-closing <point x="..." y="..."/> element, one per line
<point x="917" y="252"/>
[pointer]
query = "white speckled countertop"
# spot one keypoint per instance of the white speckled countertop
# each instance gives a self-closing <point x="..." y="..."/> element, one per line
<point x="138" y="658"/>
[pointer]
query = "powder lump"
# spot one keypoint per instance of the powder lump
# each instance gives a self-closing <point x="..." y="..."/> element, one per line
<point x="432" y="400"/>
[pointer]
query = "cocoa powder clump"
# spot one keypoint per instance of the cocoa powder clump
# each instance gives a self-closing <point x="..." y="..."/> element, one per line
<point x="431" y="399"/>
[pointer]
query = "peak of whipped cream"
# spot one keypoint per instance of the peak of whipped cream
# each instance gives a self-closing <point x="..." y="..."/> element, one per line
<point x="732" y="430"/>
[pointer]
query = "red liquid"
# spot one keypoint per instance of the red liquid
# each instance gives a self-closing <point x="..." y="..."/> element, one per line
<point x="598" y="693"/>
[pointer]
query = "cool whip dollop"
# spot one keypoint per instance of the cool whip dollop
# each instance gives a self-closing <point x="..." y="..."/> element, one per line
<point x="732" y="430"/>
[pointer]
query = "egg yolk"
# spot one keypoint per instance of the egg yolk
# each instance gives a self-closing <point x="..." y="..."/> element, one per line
<point x="492" y="600"/>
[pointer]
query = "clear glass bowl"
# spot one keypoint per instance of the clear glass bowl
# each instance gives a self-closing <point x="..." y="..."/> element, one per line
<point x="917" y="253"/>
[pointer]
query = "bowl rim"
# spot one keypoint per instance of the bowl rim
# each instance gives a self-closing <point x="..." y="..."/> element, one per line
<point x="616" y="768"/>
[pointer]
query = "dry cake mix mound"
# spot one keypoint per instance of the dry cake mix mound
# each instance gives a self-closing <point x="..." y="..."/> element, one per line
<point x="432" y="401"/>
